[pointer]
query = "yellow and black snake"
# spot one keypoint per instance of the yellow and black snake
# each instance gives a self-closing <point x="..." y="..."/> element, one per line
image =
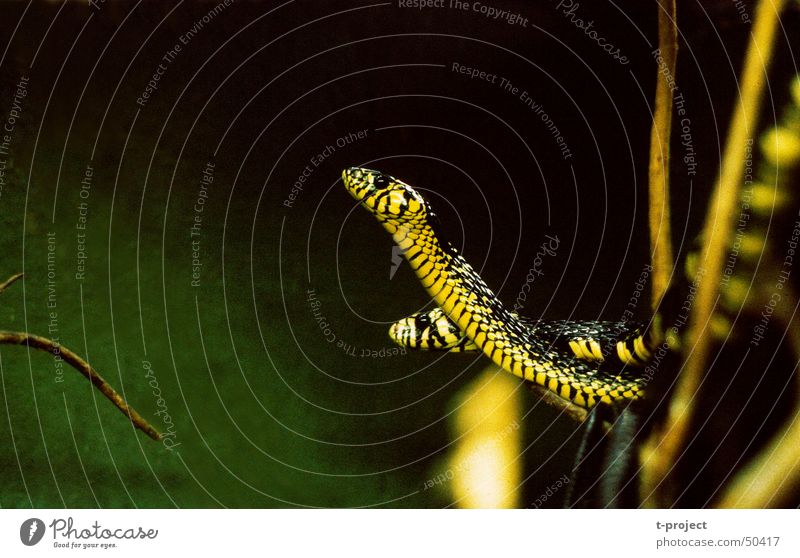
<point x="570" y="359"/>
<point x="613" y="343"/>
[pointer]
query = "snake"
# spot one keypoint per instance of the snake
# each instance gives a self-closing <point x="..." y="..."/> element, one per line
<point x="566" y="358"/>
<point x="616" y="343"/>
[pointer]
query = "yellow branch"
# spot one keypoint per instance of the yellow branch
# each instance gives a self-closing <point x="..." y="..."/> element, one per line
<point x="663" y="450"/>
<point x="660" y="231"/>
<point x="773" y="478"/>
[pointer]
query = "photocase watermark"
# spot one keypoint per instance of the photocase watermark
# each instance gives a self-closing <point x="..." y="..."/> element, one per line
<point x="674" y="330"/>
<point x="680" y="109"/>
<point x="51" y="301"/>
<point x="481" y="8"/>
<point x="663" y="69"/>
<point x="547" y="248"/>
<point x="683" y="315"/>
<point x="397" y="259"/>
<point x="420" y="4"/>
<point x="14" y="113"/>
<point x="31" y="531"/>
<point x="169" y="435"/>
<point x="7" y="132"/>
<point x="172" y="54"/>
<point x="784" y="273"/>
<point x="741" y="7"/>
<point x="628" y="314"/>
<point x="686" y="141"/>
<point x="744" y="216"/>
<point x="523" y="95"/>
<point x="84" y="192"/>
<point x="569" y="9"/>
<point x="636" y="295"/>
<point x="195" y="231"/>
<point x="490" y="12"/>
<point x="346" y="347"/>
<point x="67" y="534"/>
<point x="317" y="159"/>
<point x="538" y="109"/>
<point x="654" y="363"/>
<point x="466" y="464"/>
<point x="550" y="491"/>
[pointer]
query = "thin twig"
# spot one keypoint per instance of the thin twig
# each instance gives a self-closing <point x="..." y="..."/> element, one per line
<point x="10" y="281"/>
<point x="666" y="446"/>
<point x="565" y="407"/>
<point x="44" y="344"/>
<point x="660" y="231"/>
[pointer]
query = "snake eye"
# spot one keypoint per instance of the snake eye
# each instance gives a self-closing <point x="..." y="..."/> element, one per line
<point x="381" y="181"/>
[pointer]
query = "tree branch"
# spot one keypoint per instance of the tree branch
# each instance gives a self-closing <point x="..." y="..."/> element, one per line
<point x="660" y="230"/>
<point x="578" y="414"/>
<point x="44" y="344"/>
<point x="18" y="338"/>
<point x="10" y="281"/>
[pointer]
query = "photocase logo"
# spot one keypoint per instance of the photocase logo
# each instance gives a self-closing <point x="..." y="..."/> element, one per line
<point x="31" y="531"/>
<point x="397" y="259"/>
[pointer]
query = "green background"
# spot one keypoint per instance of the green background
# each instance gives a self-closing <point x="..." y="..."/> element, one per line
<point x="268" y="412"/>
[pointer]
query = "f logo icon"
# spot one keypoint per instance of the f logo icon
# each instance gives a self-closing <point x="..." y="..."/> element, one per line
<point x="31" y="531"/>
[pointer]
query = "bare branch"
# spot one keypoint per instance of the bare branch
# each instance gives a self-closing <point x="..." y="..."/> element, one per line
<point x="568" y="408"/>
<point x="44" y="344"/>
<point x="660" y="230"/>
<point x="10" y="281"/>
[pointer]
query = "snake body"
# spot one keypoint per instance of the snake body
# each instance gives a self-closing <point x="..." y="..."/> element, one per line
<point x="473" y="308"/>
<point x="613" y="343"/>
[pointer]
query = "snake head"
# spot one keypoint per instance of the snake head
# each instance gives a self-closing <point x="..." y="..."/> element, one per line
<point x="395" y="203"/>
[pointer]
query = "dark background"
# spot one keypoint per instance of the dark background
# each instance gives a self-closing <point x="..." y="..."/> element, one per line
<point x="267" y="412"/>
